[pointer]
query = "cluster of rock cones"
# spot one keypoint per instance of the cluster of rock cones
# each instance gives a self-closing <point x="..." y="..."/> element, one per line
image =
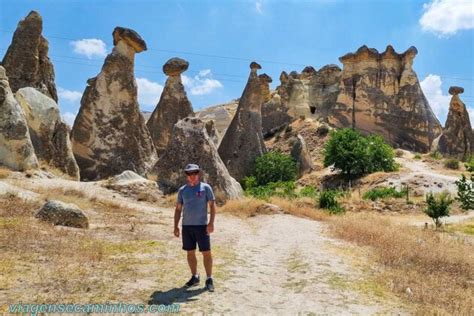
<point x="374" y="93"/>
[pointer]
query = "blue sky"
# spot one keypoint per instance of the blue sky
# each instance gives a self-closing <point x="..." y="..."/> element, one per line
<point x="220" y="38"/>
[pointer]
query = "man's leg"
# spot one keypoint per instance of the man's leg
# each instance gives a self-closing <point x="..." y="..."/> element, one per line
<point x="192" y="261"/>
<point x="207" y="262"/>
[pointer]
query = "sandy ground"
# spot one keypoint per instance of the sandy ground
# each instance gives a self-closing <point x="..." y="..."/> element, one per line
<point x="276" y="264"/>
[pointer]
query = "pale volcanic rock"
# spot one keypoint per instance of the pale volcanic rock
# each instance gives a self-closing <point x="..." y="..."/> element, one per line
<point x="190" y="143"/>
<point x="221" y="114"/>
<point x="300" y="153"/>
<point x="109" y="134"/>
<point x="48" y="133"/>
<point x="26" y="61"/>
<point x="173" y="105"/>
<point x="243" y="140"/>
<point x="457" y="139"/>
<point x="213" y="132"/>
<point x="380" y="93"/>
<point x="64" y="214"/>
<point x="16" y="149"/>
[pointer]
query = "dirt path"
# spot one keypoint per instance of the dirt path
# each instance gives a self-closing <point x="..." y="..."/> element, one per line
<point x="286" y="265"/>
<point x="276" y="264"/>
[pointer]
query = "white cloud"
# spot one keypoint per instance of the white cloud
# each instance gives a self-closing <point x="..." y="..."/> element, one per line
<point x="202" y="83"/>
<point x="149" y="92"/>
<point x="89" y="47"/>
<point x="446" y="17"/>
<point x="69" y="118"/>
<point x="69" y="95"/>
<point x="258" y="7"/>
<point x="439" y="102"/>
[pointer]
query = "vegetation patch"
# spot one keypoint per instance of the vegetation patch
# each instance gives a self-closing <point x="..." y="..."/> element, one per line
<point x="384" y="193"/>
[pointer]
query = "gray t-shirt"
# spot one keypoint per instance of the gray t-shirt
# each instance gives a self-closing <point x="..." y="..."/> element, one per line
<point x="194" y="200"/>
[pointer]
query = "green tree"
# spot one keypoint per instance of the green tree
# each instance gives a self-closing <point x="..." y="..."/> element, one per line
<point x="438" y="206"/>
<point x="274" y="167"/>
<point x="466" y="192"/>
<point x="355" y="155"/>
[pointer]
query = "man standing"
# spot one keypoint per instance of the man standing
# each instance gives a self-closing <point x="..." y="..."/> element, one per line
<point x="193" y="199"/>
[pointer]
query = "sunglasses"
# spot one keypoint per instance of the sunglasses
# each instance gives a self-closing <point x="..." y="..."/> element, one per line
<point x="192" y="173"/>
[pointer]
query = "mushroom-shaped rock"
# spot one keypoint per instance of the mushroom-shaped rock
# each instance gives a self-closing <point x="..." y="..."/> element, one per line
<point x="49" y="134"/>
<point x="243" y="140"/>
<point x="26" y="61"/>
<point x="16" y="149"/>
<point x="191" y="143"/>
<point x="173" y="106"/>
<point x="64" y="214"/>
<point x="457" y="139"/>
<point x="455" y="90"/>
<point x="255" y="66"/>
<point x="109" y="134"/>
<point x="175" y="66"/>
<point x="132" y="38"/>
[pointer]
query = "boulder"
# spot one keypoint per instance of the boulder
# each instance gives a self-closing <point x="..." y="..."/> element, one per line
<point x="130" y="184"/>
<point x="243" y="140"/>
<point x="64" y="214"/>
<point x="109" y="134"/>
<point x="190" y="143"/>
<point x="457" y="139"/>
<point x="380" y="94"/>
<point x="173" y="105"/>
<point x="49" y="134"/>
<point x="300" y="153"/>
<point x="16" y="149"/>
<point x="26" y="61"/>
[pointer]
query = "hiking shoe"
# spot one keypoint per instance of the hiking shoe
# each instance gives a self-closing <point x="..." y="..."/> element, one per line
<point x="210" y="285"/>
<point x="192" y="281"/>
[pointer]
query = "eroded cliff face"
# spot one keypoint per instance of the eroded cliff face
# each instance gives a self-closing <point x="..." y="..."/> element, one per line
<point x="26" y="61"/>
<point x="109" y="134"/>
<point x="380" y="93"/>
<point x="457" y="139"/>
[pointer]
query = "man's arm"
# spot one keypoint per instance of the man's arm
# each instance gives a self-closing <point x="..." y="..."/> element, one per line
<point x="210" y="226"/>
<point x="177" y="217"/>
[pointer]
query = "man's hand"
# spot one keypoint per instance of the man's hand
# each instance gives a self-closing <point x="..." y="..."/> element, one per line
<point x="176" y="231"/>
<point x="210" y="228"/>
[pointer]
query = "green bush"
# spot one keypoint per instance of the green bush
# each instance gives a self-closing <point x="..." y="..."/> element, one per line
<point x="308" y="191"/>
<point x="383" y="193"/>
<point x="274" y="167"/>
<point x="470" y="164"/>
<point x="452" y="164"/>
<point x="264" y="192"/>
<point x="436" y="155"/>
<point x="466" y="192"/>
<point x="355" y="155"/>
<point x="417" y="157"/>
<point x="328" y="200"/>
<point x="438" y="206"/>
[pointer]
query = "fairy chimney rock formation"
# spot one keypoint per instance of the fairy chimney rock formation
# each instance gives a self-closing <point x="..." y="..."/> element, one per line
<point x="243" y="140"/>
<point x="48" y="133"/>
<point x="457" y="139"/>
<point x="16" y="149"/>
<point x="26" y="61"/>
<point x="380" y="93"/>
<point x="109" y="134"/>
<point x="191" y="143"/>
<point x="173" y="105"/>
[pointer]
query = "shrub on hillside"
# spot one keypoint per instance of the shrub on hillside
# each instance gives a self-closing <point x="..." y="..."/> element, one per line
<point x="466" y="192"/>
<point x="452" y="164"/>
<point x="274" y="167"/>
<point x="355" y="155"/>
<point x="328" y="200"/>
<point x="438" y="206"/>
<point x="383" y="193"/>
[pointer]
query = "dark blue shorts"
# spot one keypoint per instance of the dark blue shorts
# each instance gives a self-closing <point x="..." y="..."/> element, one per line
<point x="195" y="234"/>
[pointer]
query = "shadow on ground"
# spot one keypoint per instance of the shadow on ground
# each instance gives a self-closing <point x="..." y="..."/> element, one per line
<point x="176" y="295"/>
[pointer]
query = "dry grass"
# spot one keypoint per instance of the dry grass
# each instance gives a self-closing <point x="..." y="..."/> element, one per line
<point x="4" y="172"/>
<point x="438" y="269"/>
<point x="170" y="200"/>
<point x="249" y="206"/>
